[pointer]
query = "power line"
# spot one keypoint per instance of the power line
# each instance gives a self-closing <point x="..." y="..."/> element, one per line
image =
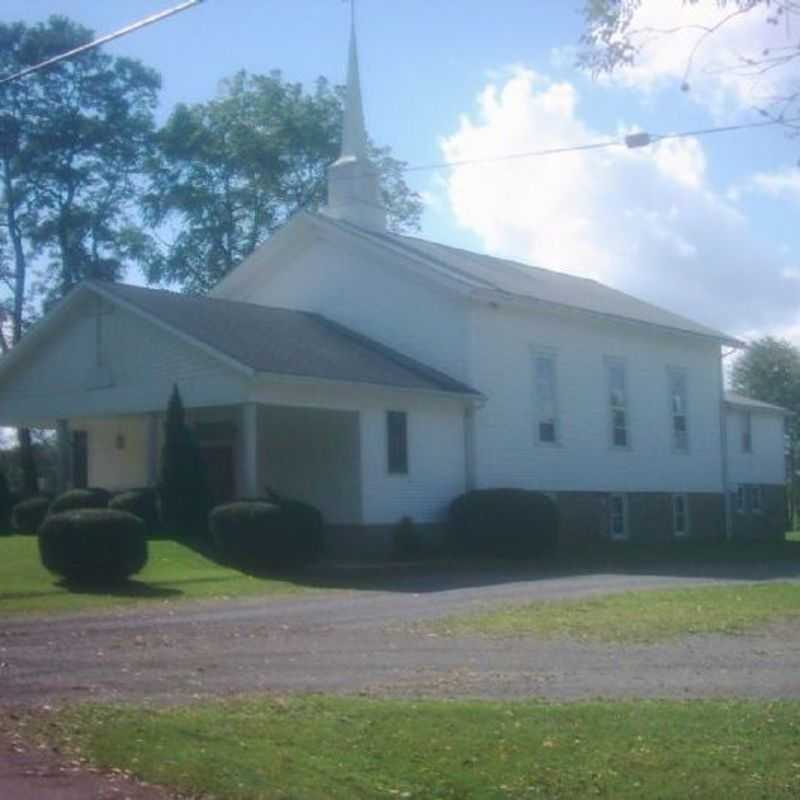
<point x="632" y="141"/>
<point x="135" y="26"/>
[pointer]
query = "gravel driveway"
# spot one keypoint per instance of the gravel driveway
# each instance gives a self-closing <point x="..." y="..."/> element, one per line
<point x="364" y="641"/>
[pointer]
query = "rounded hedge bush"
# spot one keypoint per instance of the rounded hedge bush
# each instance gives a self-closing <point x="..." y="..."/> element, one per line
<point x="142" y="503"/>
<point x="80" y="498"/>
<point x="96" y="546"/>
<point x="29" y="514"/>
<point x="265" y="535"/>
<point x="507" y="523"/>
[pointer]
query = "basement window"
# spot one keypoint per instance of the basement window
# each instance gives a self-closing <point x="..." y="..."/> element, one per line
<point x="397" y="442"/>
<point x="680" y="515"/>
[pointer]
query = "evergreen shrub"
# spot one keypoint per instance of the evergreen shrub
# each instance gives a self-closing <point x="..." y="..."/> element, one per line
<point x="29" y="514"/>
<point x="94" y="546"/>
<point x="506" y="523"/>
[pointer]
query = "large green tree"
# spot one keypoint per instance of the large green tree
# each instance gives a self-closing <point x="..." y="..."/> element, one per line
<point x="73" y="138"/>
<point x="769" y="370"/>
<point x="232" y="170"/>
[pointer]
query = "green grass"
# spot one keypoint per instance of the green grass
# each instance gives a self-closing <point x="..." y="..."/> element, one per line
<point x="174" y="572"/>
<point x="640" y="616"/>
<point x="353" y="748"/>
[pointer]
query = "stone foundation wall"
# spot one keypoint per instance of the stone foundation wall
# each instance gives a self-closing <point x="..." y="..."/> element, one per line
<point x="767" y="524"/>
<point x="376" y="542"/>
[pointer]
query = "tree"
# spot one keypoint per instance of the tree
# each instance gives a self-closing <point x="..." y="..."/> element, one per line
<point x="183" y="485"/>
<point x="232" y="170"/>
<point x="769" y="370"/>
<point x="72" y="140"/>
<point x="612" y="38"/>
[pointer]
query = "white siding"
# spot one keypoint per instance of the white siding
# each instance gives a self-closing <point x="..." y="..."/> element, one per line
<point x="376" y="296"/>
<point x="144" y="359"/>
<point x="113" y="467"/>
<point x="312" y="455"/>
<point x="435" y="439"/>
<point x="507" y="455"/>
<point x="765" y="463"/>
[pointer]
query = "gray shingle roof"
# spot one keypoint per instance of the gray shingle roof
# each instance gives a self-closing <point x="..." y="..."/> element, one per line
<point x="549" y="286"/>
<point x="283" y="341"/>
<point x="736" y="399"/>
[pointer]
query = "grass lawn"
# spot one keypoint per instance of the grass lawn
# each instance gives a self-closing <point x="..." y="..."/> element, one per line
<point x="173" y="572"/>
<point x="641" y="616"/>
<point x="350" y="748"/>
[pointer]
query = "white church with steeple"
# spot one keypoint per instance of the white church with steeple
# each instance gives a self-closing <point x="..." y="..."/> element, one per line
<point x="379" y="376"/>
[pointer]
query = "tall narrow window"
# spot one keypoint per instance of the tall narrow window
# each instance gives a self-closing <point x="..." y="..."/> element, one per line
<point x="755" y="498"/>
<point x="544" y="365"/>
<point x="677" y="399"/>
<point x="747" y="432"/>
<point x="618" y="516"/>
<point x="397" y="442"/>
<point x="618" y="400"/>
<point x="739" y="500"/>
<point x="680" y="514"/>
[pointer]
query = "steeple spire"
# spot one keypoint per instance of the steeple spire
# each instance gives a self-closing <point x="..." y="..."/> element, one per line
<point x="353" y="189"/>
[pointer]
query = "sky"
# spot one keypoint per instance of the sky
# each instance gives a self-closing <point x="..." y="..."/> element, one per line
<point x="705" y="226"/>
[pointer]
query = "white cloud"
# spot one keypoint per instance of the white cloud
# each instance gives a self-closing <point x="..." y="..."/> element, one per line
<point x="783" y="183"/>
<point x="672" y="34"/>
<point x="645" y="221"/>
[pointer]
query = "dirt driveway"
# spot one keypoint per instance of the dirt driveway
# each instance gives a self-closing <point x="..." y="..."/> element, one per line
<point x="364" y="641"/>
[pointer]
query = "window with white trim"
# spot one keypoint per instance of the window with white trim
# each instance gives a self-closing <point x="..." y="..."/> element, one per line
<point x="747" y="431"/>
<point x="754" y="496"/>
<point x="397" y="442"/>
<point x="680" y="514"/>
<point x="546" y="407"/>
<point x="618" y="516"/>
<point x="618" y="402"/>
<point x="677" y="400"/>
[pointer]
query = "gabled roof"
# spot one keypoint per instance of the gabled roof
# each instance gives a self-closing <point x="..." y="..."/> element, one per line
<point x="742" y="401"/>
<point x="521" y="281"/>
<point x="281" y="341"/>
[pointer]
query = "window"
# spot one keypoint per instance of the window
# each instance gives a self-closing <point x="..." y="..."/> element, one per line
<point x="618" y="401"/>
<point x="747" y="432"/>
<point x="680" y="515"/>
<point x="544" y="366"/>
<point x="739" y="500"/>
<point x="754" y="496"/>
<point x="618" y="516"/>
<point x="677" y="400"/>
<point x="397" y="442"/>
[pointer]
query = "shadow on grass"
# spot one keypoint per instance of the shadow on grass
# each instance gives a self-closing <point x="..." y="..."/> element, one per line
<point x="754" y="561"/>
<point x="127" y="589"/>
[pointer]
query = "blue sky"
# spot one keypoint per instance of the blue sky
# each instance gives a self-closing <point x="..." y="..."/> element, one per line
<point x="706" y="227"/>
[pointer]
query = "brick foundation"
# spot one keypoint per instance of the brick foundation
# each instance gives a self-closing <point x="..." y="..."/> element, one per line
<point x="767" y="524"/>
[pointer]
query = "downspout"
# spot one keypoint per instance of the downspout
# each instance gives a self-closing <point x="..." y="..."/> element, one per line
<point x="470" y="454"/>
<point x="723" y="427"/>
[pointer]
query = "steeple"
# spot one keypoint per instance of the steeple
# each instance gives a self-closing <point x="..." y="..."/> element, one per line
<point x="353" y="188"/>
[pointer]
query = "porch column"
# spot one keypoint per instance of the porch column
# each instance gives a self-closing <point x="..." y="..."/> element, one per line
<point x="64" y="470"/>
<point x="152" y="449"/>
<point x="248" y="451"/>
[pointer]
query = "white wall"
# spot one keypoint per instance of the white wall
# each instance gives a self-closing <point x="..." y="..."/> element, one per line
<point x="766" y="461"/>
<point x="312" y="455"/>
<point x="436" y="444"/>
<point x="374" y="295"/>
<point x="145" y="362"/>
<point x="502" y="369"/>
<point x="113" y="467"/>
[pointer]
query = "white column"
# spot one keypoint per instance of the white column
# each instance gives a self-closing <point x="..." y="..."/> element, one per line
<point x="64" y="474"/>
<point x="152" y="449"/>
<point x="248" y="451"/>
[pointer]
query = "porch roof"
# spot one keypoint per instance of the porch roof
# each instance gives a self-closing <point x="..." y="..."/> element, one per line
<point x="282" y="341"/>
